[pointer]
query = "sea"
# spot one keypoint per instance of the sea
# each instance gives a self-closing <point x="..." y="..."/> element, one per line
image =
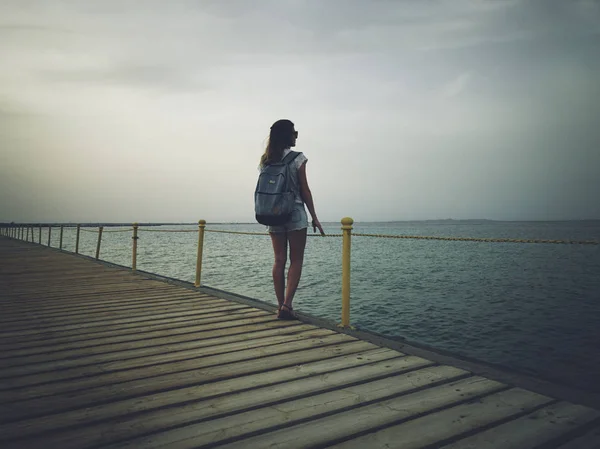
<point x="528" y="307"/>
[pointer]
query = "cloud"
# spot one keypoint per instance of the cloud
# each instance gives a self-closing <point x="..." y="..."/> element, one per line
<point x="129" y="74"/>
<point x="468" y="106"/>
<point x="454" y="87"/>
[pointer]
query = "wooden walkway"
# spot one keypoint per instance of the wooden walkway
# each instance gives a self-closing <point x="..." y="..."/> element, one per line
<point x="96" y="356"/>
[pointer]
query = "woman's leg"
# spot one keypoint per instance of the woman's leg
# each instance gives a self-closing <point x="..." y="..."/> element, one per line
<point x="297" y="241"/>
<point x="279" y="240"/>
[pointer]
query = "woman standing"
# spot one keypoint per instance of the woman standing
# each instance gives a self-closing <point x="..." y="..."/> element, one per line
<point x="281" y="140"/>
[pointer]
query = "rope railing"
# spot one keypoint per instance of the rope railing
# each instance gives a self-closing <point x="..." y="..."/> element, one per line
<point x="168" y="230"/>
<point x="27" y="233"/>
<point x="480" y="239"/>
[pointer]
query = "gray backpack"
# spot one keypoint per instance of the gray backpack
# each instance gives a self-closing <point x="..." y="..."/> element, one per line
<point x="273" y="196"/>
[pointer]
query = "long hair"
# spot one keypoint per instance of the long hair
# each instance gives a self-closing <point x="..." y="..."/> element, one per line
<point x="280" y="138"/>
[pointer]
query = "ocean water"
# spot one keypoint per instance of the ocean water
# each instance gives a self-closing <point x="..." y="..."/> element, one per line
<point x="533" y="308"/>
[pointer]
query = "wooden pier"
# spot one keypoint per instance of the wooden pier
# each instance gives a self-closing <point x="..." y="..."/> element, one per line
<point x="94" y="356"/>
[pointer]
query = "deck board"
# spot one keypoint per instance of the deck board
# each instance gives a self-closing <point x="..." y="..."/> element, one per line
<point x="93" y="355"/>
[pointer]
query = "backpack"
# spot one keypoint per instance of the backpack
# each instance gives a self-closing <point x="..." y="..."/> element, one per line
<point x="273" y="197"/>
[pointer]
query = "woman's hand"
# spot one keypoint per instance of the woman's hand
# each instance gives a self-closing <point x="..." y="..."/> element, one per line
<point x="317" y="224"/>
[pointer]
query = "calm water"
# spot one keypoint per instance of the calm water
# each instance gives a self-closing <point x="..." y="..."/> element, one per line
<point x="530" y="307"/>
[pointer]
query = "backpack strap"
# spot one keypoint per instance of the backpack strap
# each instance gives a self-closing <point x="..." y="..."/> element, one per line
<point x="290" y="157"/>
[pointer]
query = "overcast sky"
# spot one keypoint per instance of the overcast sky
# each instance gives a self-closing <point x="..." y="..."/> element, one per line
<point x="159" y="111"/>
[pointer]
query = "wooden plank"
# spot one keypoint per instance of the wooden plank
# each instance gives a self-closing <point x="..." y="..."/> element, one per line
<point x="53" y="295"/>
<point x="282" y="413"/>
<point x="218" y="399"/>
<point x="51" y="282"/>
<point x="153" y="361"/>
<point x="74" y="284"/>
<point x="84" y="314"/>
<point x="204" y="391"/>
<point x="76" y="280"/>
<point x="590" y="440"/>
<point x="147" y="348"/>
<point x="118" y="334"/>
<point x="148" y="319"/>
<point x="320" y="432"/>
<point x="531" y="430"/>
<point x="131" y="299"/>
<point x="88" y="333"/>
<point x="99" y="317"/>
<point x="94" y="316"/>
<point x="436" y="428"/>
<point x="29" y="390"/>
<point x="134" y="298"/>
<point x="34" y="406"/>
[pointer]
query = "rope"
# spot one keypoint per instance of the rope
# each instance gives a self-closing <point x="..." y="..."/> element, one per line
<point x="236" y="232"/>
<point x="385" y="236"/>
<point x="167" y="230"/>
<point x="266" y="233"/>
<point x="105" y="230"/>
<point x="476" y="239"/>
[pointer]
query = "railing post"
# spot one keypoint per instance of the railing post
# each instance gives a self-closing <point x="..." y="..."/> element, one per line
<point x="134" y="253"/>
<point x="49" y="233"/>
<point x="201" y="226"/>
<point x="99" y="240"/>
<point x="346" y="246"/>
<point x="77" y="239"/>
<point x="40" y="236"/>
<point x="61" y="237"/>
<point x="27" y="235"/>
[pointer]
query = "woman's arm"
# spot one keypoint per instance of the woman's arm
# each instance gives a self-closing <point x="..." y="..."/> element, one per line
<point x="308" y="199"/>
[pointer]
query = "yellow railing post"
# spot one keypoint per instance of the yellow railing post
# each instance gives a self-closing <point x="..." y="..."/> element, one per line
<point x="77" y="239"/>
<point x="61" y="237"/>
<point x="346" y="245"/>
<point x="40" y="235"/>
<point x="49" y="233"/>
<point x="201" y="226"/>
<point x="134" y="254"/>
<point x="99" y="240"/>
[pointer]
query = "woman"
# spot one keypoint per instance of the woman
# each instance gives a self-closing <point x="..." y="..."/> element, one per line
<point x="281" y="140"/>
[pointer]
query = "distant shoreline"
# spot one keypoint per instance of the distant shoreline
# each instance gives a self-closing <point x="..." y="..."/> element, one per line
<point x="237" y="223"/>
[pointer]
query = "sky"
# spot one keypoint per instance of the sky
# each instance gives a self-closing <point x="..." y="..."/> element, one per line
<point x="155" y="111"/>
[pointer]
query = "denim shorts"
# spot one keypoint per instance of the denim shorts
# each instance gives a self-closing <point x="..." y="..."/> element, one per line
<point x="299" y="221"/>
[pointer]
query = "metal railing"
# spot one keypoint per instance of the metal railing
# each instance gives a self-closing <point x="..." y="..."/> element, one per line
<point x="24" y="231"/>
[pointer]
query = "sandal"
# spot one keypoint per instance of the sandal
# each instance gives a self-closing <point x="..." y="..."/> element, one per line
<point x="286" y="314"/>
